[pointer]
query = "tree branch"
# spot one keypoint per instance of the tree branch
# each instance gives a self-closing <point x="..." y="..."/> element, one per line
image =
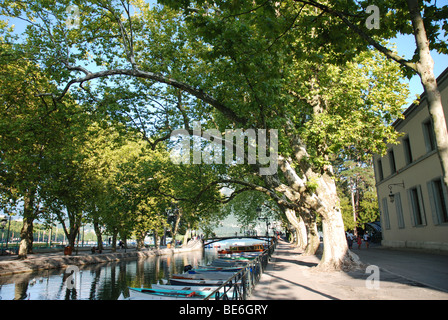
<point x="198" y="93"/>
<point x="388" y="53"/>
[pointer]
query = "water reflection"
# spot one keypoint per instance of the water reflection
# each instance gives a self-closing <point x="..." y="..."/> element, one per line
<point x="104" y="281"/>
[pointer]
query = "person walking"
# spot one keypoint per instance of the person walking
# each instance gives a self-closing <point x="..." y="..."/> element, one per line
<point x="359" y="241"/>
<point x="367" y="239"/>
<point x="350" y="239"/>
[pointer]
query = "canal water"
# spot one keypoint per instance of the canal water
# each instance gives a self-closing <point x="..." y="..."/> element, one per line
<point x="104" y="281"/>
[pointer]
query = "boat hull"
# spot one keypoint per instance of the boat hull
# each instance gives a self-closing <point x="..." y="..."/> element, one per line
<point x="204" y="276"/>
<point x="166" y="294"/>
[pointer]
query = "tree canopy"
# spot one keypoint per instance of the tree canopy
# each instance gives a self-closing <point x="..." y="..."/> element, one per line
<point x="129" y="74"/>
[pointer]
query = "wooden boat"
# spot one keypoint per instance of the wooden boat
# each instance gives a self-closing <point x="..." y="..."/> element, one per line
<point x="204" y="276"/>
<point x="240" y="249"/>
<point x="215" y="269"/>
<point x="193" y="282"/>
<point x="209" y="289"/>
<point x="228" y="263"/>
<point x="166" y="294"/>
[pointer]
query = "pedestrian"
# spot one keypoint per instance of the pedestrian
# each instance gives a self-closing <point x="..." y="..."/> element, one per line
<point x="359" y="242"/>
<point x="349" y="239"/>
<point x="367" y="239"/>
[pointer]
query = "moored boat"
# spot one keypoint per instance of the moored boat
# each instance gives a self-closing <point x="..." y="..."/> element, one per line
<point x="204" y="275"/>
<point x="193" y="282"/>
<point x="166" y="294"/>
<point x="215" y="269"/>
<point x="241" y="249"/>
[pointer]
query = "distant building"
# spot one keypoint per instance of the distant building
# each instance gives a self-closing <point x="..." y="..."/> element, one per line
<point x="412" y="197"/>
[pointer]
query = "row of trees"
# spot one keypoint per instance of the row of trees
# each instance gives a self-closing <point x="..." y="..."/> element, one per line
<point x="310" y="69"/>
<point x="70" y="164"/>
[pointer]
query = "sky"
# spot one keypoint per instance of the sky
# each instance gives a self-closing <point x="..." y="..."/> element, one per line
<point x="405" y="47"/>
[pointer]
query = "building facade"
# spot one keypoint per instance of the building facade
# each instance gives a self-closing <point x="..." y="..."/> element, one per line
<point x="412" y="197"/>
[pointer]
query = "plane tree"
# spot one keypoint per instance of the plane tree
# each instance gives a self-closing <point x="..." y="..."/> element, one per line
<point x="232" y="66"/>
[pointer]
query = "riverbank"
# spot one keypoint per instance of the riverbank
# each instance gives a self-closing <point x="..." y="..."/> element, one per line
<point x="10" y="265"/>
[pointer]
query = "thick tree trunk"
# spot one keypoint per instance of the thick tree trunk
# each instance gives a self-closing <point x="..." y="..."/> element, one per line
<point x="26" y="234"/>
<point x="425" y="69"/>
<point x="98" y="234"/>
<point x="114" y="240"/>
<point x="313" y="236"/>
<point x="299" y="226"/>
<point x="176" y="227"/>
<point x="156" y="240"/>
<point x="141" y="241"/>
<point x="335" y="255"/>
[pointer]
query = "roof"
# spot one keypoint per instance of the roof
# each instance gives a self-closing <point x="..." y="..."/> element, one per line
<point x="440" y="79"/>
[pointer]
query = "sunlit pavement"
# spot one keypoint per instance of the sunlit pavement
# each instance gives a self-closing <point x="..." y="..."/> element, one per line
<point x="399" y="275"/>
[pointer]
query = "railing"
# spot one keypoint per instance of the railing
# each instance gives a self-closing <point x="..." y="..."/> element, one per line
<point x="242" y="283"/>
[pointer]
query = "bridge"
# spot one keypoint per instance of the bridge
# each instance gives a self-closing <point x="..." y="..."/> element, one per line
<point x="217" y="239"/>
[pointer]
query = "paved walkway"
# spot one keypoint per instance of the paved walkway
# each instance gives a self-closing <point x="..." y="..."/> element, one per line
<point x="402" y="274"/>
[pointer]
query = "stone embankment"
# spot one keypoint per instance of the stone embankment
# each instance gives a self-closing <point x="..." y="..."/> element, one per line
<point x="10" y="265"/>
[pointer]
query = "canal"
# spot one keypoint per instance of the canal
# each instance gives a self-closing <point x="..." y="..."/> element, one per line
<point x="103" y="281"/>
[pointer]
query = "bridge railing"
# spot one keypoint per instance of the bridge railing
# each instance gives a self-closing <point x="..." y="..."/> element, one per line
<point x="242" y="283"/>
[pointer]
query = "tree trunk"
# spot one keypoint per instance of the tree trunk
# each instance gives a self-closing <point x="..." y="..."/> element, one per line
<point x="114" y="240"/>
<point x="71" y="237"/>
<point x="355" y="230"/>
<point x="141" y="240"/>
<point x="335" y="249"/>
<point x="187" y="235"/>
<point x="156" y="240"/>
<point x="299" y="226"/>
<point x="26" y="234"/>
<point x="313" y="236"/>
<point x="98" y="234"/>
<point x="176" y="227"/>
<point x="425" y="69"/>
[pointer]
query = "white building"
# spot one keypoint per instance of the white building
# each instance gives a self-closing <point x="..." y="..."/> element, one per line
<point x="412" y="197"/>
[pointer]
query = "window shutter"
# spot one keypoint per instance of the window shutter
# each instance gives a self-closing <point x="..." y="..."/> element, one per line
<point x="399" y="210"/>
<point x="432" y="200"/>
<point x="386" y="214"/>
<point x="422" y="205"/>
<point x="411" y="206"/>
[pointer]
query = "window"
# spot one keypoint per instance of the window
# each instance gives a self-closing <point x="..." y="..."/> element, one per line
<point x="407" y="150"/>
<point x="399" y="210"/>
<point x="438" y="199"/>
<point x="380" y="170"/>
<point x="386" y="214"/>
<point x="393" y="167"/>
<point x="428" y="133"/>
<point x="417" y="210"/>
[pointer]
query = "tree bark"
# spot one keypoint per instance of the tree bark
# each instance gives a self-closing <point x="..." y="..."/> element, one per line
<point x="141" y="241"/>
<point x="156" y="240"/>
<point x="299" y="226"/>
<point x="26" y="233"/>
<point x="176" y="227"/>
<point x="335" y="249"/>
<point x="114" y="240"/>
<point x="313" y="236"/>
<point x="98" y="234"/>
